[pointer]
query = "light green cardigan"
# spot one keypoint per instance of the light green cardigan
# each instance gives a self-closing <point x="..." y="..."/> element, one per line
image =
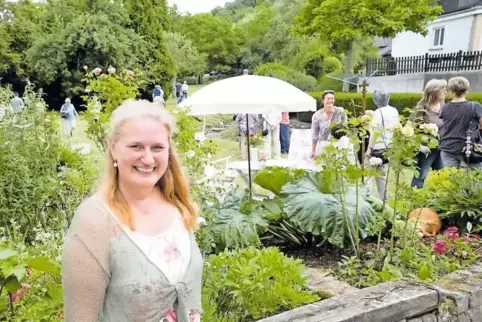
<point x="106" y="277"/>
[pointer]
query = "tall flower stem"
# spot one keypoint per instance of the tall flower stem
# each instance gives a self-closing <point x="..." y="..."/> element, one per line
<point x="394" y="216"/>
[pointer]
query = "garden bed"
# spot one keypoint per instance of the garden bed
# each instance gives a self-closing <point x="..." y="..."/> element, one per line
<point x="457" y="298"/>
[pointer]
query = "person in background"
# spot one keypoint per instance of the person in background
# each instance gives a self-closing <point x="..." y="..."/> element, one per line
<point x="185" y="89"/>
<point x="157" y="92"/>
<point x="384" y="119"/>
<point x="284" y="132"/>
<point x="130" y="253"/>
<point x="68" y="113"/>
<point x="323" y="121"/>
<point x="245" y="129"/>
<point x="271" y="123"/>
<point x="178" y="92"/>
<point x="427" y="112"/>
<point x="16" y="104"/>
<point x="459" y="117"/>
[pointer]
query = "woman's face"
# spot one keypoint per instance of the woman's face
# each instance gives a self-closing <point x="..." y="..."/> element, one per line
<point x="142" y="152"/>
<point x="441" y="95"/>
<point x="329" y="100"/>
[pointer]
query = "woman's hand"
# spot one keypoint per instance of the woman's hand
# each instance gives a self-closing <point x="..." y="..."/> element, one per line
<point x="312" y="155"/>
<point x="368" y="152"/>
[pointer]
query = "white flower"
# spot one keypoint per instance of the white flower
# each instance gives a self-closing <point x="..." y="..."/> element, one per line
<point x="87" y="90"/>
<point x="431" y="128"/>
<point x="190" y="154"/>
<point x="375" y="161"/>
<point x="210" y="172"/>
<point x="424" y="149"/>
<point x="200" y="220"/>
<point x="97" y="71"/>
<point x="369" y="112"/>
<point x="408" y="130"/>
<point x="86" y="67"/>
<point x="396" y="126"/>
<point x="111" y="70"/>
<point x="366" y="118"/>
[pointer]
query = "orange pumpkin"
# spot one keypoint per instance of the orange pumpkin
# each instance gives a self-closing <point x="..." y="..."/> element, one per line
<point x="428" y="223"/>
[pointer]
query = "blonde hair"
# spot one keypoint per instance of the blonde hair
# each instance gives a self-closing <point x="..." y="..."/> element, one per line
<point x="173" y="184"/>
<point x="458" y="85"/>
<point x="430" y="92"/>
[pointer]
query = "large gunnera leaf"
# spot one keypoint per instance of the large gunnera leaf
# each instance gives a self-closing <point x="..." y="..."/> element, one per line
<point x="274" y="178"/>
<point x="322" y="213"/>
<point x="234" y="229"/>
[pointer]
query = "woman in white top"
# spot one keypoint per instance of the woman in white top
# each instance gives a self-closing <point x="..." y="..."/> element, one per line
<point x="384" y="119"/>
<point x="130" y="253"/>
<point x="271" y="123"/>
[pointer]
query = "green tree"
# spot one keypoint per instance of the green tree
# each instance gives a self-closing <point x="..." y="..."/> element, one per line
<point x="216" y="37"/>
<point x="92" y="40"/>
<point x="345" y="21"/>
<point x="150" y="19"/>
<point x="188" y="61"/>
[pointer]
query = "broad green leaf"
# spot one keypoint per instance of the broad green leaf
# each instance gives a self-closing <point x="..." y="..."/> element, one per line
<point x="19" y="271"/>
<point x="323" y="213"/>
<point x="12" y="284"/>
<point x="43" y="264"/>
<point x="274" y="178"/>
<point x="55" y="292"/>
<point x="7" y="253"/>
<point x="235" y="229"/>
<point x="424" y="272"/>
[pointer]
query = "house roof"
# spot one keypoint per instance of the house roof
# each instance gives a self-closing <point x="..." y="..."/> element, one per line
<point x="458" y="5"/>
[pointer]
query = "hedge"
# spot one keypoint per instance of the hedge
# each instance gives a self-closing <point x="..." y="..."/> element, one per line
<point x="401" y="101"/>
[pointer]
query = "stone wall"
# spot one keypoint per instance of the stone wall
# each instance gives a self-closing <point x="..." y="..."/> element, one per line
<point x="415" y="83"/>
<point x="455" y="298"/>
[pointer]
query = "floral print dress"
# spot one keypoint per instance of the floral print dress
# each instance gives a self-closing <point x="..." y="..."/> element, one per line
<point x="170" y="251"/>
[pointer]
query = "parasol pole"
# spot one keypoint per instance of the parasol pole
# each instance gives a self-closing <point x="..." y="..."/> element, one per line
<point x="249" y="156"/>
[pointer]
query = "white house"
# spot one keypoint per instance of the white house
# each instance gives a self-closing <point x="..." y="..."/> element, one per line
<point x="458" y="28"/>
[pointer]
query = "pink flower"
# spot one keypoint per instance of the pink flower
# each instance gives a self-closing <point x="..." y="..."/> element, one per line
<point x="171" y="252"/>
<point x="475" y="236"/>
<point x="466" y="239"/>
<point x="451" y="230"/>
<point x="20" y="292"/>
<point x="194" y="317"/>
<point x="130" y="73"/>
<point x="439" y="248"/>
<point x="171" y="315"/>
<point x="454" y="236"/>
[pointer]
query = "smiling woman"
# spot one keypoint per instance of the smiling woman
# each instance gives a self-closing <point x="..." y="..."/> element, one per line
<point x="130" y="254"/>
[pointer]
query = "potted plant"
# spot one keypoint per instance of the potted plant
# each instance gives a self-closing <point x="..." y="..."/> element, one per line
<point x="255" y="141"/>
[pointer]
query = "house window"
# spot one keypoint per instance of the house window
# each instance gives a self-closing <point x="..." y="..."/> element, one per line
<point x="438" y="36"/>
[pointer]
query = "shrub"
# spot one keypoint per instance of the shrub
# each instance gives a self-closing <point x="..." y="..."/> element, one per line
<point x="327" y="82"/>
<point x="250" y="284"/>
<point x="42" y="179"/>
<point x="331" y="64"/>
<point x="292" y="76"/>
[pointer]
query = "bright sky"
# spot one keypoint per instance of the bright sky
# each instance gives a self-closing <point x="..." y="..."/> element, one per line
<point x="197" y="6"/>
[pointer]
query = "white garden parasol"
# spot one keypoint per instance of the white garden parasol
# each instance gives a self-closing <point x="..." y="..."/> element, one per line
<point x="248" y="94"/>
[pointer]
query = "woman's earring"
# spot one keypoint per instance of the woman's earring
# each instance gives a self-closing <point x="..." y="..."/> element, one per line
<point x="115" y="163"/>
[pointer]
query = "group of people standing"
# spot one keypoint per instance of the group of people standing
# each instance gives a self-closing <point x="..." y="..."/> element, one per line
<point x="455" y="120"/>
<point x="181" y="91"/>
<point x="275" y="129"/>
